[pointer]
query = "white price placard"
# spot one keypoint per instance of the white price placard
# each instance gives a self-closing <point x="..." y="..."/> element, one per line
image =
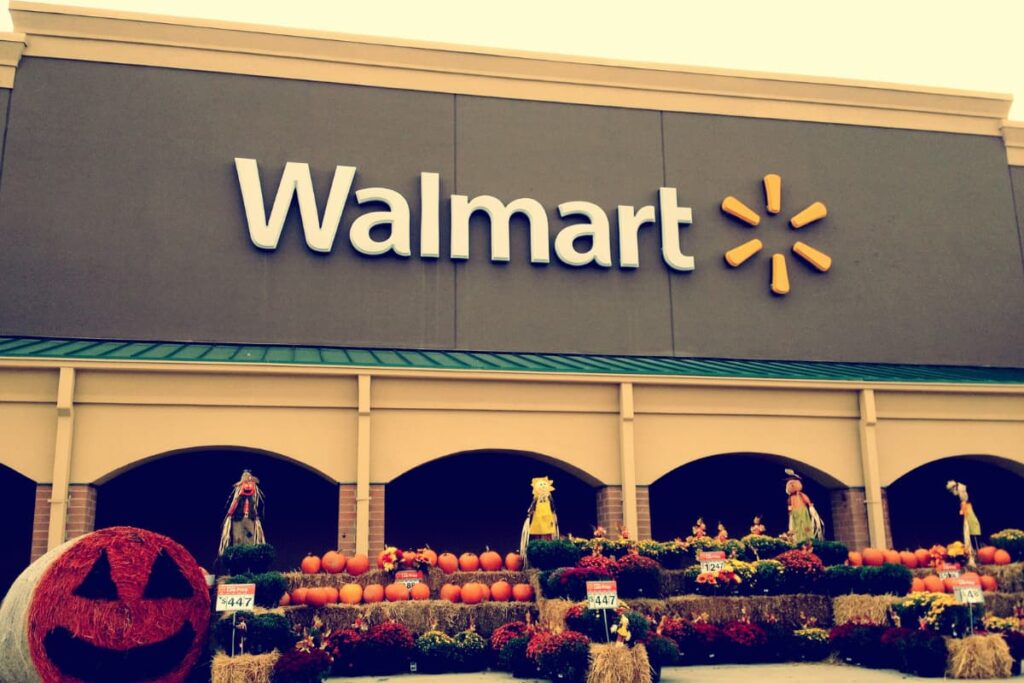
<point x="947" y="570"/>
<point x="602" y="595"/>
<point x="235" y="596"/>
<point x="409" y="577"/>
<point x="968" y="591"/>
<point x="711" y="561"/>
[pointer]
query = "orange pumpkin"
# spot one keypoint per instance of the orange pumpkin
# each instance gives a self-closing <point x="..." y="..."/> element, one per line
<point x="428" y="555"/>
<point x="486" y="591"/>
<point x="513" y="562"/>
<point x="873" y="557"/>
<point x="472" y="593"/>
<point x="373" y="593"/>
<point x="420" y="591"/>
<point x="310" y="564"/>
<point x="396" y="592"/>
<point x="988" y="584"/>
<point x="501" y="591"/>
<point x="469" y="562"/>
<point x="316" y="597"/>
<point x="917" y="585"/>
<point x="299" y="596"/>
<point x="333" y="562"/>
<point x="854" y="559"/>
<point x="409" y="558"/>
<point x="359" y="564"/>
<point x="908" y="559"/>
<point x="934" y="584"/>
<point x="892" y="557"/>
<point x="351" y="594"/>
<point x="522" y="592"/>
<point x="490" y="561"/>
<point x="285" y="600"/>
<point x="947" y="585"/>
<point x="987" y="555"/>
<point x="332" y="594"/>
<point x="448" y="563"/>
<point x="1001" y="557"/>
<point x="451" y="592"/>
<point x="924" y="558"/>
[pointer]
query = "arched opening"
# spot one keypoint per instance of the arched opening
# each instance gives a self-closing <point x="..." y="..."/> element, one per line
<point x="17" y="506"/>
<point x="732" y="488"/>
<point x="922" y="512"/>
<point x="184" y="495"/>
<point x="470" y="500"/>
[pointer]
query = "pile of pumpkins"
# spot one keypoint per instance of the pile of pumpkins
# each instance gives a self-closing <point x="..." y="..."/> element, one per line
<point x="471" y="593"/>
<point x="920" y="558"/>
<point x="933" y="584"/>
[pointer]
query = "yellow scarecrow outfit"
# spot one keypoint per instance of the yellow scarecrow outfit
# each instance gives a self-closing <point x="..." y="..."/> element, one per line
<point x="541" y="520"/>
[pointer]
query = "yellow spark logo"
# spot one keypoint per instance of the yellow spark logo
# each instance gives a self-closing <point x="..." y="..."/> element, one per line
<point x="737" y="256"/>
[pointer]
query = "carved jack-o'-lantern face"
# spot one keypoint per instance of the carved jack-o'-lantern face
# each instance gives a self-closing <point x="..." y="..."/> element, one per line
<point x="121" y="605"/>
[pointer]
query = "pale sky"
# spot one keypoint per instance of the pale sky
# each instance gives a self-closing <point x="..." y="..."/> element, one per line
<point x="974" y="46"/>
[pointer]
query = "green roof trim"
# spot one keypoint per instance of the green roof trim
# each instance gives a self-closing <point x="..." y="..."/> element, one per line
<point x="35" y="347"/>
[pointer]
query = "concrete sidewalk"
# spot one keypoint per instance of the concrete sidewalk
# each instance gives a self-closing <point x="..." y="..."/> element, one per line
<point x="722" y="673"/>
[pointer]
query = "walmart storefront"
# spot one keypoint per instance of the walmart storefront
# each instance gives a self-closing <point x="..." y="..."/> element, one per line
<point x="397" y="280"/>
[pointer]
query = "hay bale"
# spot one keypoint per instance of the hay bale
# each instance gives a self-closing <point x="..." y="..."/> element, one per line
<point x="790" y="610"/>
<point x="873" y="609"/>
<point x="551" y="613"/>
<point x="1002" y="604"/>
<point x="116" y="590"/>
<point x="979" y="656"/>
<point x="649" y="607"/>
<point x="243" y="668"/>
<point x="613" y="663"/>
<point x="673" y="582"/>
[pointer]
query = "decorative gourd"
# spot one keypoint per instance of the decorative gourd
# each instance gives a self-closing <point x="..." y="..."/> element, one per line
<point x="332" y="595"/>
<point x="908" y="559"/>
<point x="469" y="562"/>
<point x="987" y="555"/>
<point x="448" y="563"/>
<point x="299" y="596"/>
<point x="351" y="594"/>
<point x="420" y="591"/>
<point x="522" y="592"/>
<point x="396" y="592"/>
<point x="873" y="557"/>
<point x="1001" y="557"/>
<point x="409" y="559"/>
<point x="451" y="592"/>
<point x="501" y="591"/>
<point x="333" y="562"/>
<point x="310" y="564"/>
<point x="357" y="565"/>
<point x="934" y="584"/>
<point x="316" y="597"/>
<point x="490" y="561"/>
<point x="428" y="555"/>
<point x="373" y="593"/>
<point x="917" y="585"/>
<point x="989" y="584"/>
<point x="924" y="558"/>
<point x="892" y="557"/>
<point x="854" y="559"/>
<point x="472" y="593"/>
<point x="513" y="562"/>
<point x="285" y="600"/>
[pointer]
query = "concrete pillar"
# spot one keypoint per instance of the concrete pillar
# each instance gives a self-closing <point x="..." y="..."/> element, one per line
<point x="364" y="535"/>
<point x="869" y="463"/>
<point x="41" y="521"/>
<point x="347" y="518"/>
<point x="609" y="509"/>
<point x="376" y="520"/>
<point x="627" y="458"/>
<point x="60" y="495"/>
<point x="81" y="510"/>
<point x="643" y="513"/>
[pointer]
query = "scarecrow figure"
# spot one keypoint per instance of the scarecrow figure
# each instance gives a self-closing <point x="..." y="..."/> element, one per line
<point x="242" y="525"/>
<point x="541" y="520"/>
<point x="722" y="536"/>
<point x="804" y="522"/>
<point x="972" y="527"/>
<point x="757" y="529"/>
<point x="699" y="530"/>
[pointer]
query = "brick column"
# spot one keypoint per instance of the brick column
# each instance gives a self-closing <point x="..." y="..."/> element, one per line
<point x="41" y="521"/>
<point x="81" y="510"/>
<point x="347" y="518"/>
<point x="643" y="513"/>
<point x="376" y="519"/>
<point x="609" y="509"/>
<point x="850" y="519"/>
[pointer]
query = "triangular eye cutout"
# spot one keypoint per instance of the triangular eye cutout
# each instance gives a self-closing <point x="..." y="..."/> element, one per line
<point x="97" y="584"/>
<point x="166" y="580"/>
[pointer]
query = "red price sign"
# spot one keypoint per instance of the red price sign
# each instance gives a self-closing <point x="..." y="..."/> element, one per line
<point x="711" y="561"/>
<point x="602" y="595"/>
<point x="235" y="596"/>
<point x="948" y="570"/>
<point x="409" y="577"/>
<point x="968" y="590"/>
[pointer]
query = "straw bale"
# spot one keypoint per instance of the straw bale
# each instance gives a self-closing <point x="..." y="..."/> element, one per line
<point x="979" y="656"/>
<point x="551" y="613"/>
<point x="872" y="609"/>
<point x="787" y="608"/>
<point x="1002" y="604"/>
<point x="613" y="663"/>
<point x="243" y="668"/>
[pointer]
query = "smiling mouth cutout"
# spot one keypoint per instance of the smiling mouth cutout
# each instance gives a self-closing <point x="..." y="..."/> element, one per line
<point x="82" y="660"/>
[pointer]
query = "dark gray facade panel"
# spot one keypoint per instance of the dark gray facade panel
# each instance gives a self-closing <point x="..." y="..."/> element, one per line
<point x="1017" y="181"/>
<point x="556" y="153"/>
<point x="921" y="229"/>
<point x="121" y="214"/>
<point x="5" y="100"/>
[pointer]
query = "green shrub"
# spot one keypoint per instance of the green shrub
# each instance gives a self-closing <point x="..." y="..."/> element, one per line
<point x="1010" y="540"/>
<point x="270" y="586"/>
<point x="248" y="559"/>
<point x="831" y="552"/>
<point x="764" y="547"/>
<point x="436" y="653"/>
<point x="513" y="658"/>
<point x="922" y="653"/>
<point x="894" y="579"/>
<point x="638" y="577"/>
<point x="662" y="651"/>
<point x="564" y="656"/>
<point x="552" y="554"/>
<point x="939" y="612"/>
<point x="669" y="555"/>
<point x="263" y="633"/>
<point x="471" y="651"/>
<point x="767" y="578"/>
<point x="802" y="571"/>
<point x="861" y="644"/>
<point x="842" y="580"/>
<point x="810" y="645"/>
<point x="571" y="582"/>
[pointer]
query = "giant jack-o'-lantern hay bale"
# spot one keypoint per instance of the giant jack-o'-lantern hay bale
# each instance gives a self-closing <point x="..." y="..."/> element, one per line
<point x="114" y="606"/>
